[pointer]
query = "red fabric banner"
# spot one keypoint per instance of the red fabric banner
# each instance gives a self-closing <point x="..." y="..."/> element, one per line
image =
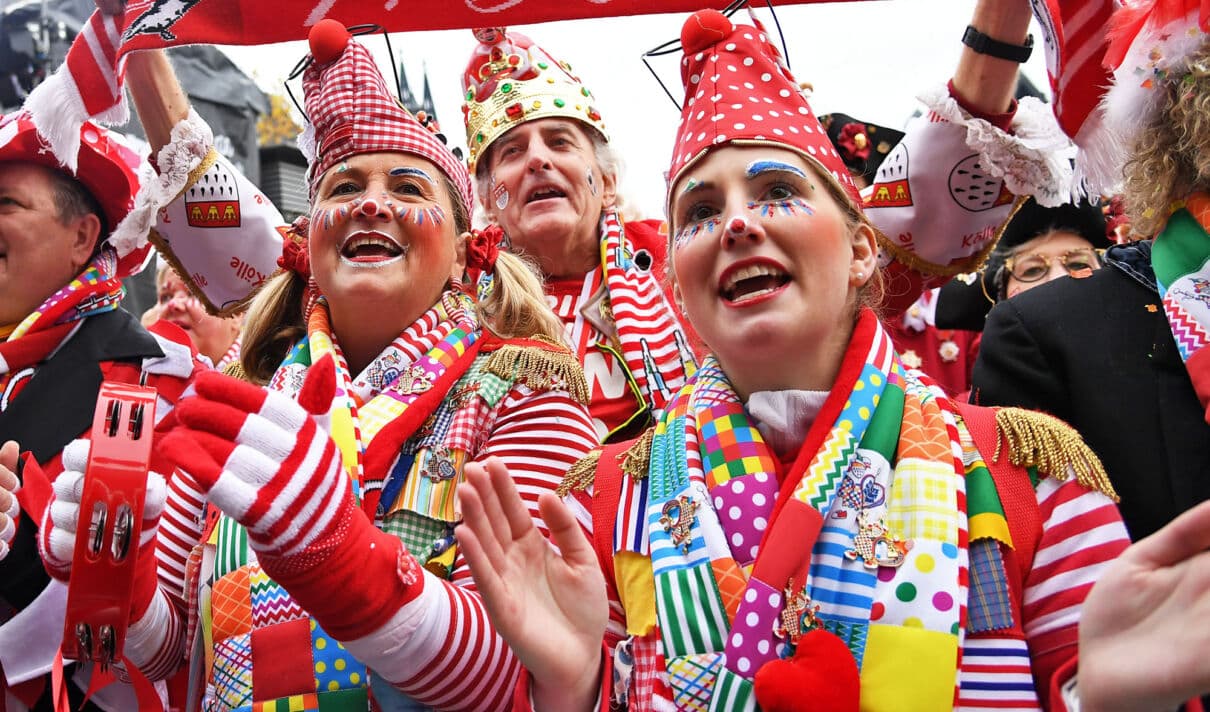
<point x="164" y="23"/>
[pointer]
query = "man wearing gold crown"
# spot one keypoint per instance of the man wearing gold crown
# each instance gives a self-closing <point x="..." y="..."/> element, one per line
<point x="546" y="174"/>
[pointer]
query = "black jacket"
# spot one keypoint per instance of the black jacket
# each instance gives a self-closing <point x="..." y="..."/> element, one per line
<point x="53" y="409"/>
<point x="1098" y="353"/>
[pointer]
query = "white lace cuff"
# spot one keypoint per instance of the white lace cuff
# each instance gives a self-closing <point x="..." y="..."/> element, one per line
<point x="191" y="140"/>
<point x="1035" y="159"/>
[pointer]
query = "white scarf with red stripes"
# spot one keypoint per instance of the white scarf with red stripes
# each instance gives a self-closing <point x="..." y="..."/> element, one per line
<point x="653" y="344"/>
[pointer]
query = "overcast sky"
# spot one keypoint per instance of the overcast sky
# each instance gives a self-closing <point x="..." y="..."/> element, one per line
<point x="867" y="59"/>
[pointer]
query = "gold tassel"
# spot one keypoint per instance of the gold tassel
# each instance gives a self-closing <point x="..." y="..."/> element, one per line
<point x="581" y="475"/>
<point x="1047" y="443"/>
<point x="636" y="461"/>
<point x="539" y="369"/>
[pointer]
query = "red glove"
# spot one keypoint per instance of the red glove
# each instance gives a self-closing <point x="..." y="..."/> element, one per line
<point x="265" y="461"/>
<point x="57" y="538"/>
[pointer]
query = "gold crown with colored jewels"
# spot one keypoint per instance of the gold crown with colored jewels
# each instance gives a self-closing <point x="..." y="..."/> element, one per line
<point x="509" y="81"/>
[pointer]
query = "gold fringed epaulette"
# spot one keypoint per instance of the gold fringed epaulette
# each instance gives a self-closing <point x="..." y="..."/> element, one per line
<point x="235" y="369"/>
<point x="581" y="475"/>
<point x="540" y="364"/>
<point x="1047" y="443"/>
<point x="636" y="461"/>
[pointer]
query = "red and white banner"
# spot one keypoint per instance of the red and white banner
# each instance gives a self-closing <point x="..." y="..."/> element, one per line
<point x="162" y="23"/>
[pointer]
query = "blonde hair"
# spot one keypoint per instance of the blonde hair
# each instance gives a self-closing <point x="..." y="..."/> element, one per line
<point x="516" y="307"/>
<point x="273" y="325"/>
<point x="1171" y="156"/>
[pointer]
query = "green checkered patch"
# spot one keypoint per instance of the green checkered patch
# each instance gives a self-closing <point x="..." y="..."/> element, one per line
<point x="416" y="531"/>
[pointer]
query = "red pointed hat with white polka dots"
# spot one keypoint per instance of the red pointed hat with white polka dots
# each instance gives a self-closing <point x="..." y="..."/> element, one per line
<point x="739" y="92"/>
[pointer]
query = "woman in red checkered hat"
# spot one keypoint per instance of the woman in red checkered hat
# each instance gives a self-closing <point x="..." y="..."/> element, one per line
<point x="308" y="532"/>
<point x="810" y="526"/>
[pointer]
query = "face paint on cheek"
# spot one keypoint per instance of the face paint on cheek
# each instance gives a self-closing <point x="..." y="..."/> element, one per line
<point x="420" y="217"/>
<point x="793" y="206"/>
<point x="592" y="182"/>
<point x="329" y="218"/>
<point x="686" y="234"/>
<point x="499" y="195"/>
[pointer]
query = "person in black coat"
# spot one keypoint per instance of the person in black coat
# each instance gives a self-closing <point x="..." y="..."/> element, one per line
<point x="1098" y="353"/>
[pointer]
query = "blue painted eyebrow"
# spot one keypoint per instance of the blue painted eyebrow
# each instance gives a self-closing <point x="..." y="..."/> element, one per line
<point x="407" y="171"/>
<point x="755" y="168"/>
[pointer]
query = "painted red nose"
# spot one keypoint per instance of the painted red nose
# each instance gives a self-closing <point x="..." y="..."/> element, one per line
<point x="369" y="207"/>
<point x="737" y="226"/>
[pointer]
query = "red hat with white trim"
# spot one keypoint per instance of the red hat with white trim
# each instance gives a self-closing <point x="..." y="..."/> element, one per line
<point x="106" y="167"/>
<point x="739" y="92"/>
<point x="351" y="112"/>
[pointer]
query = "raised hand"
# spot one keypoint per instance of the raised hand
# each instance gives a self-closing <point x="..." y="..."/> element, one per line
<point x="266" y="462"/>
<point x="9" y="508"/>
<point x="57" y="536"/>
<point x="551" y="609"/>
<point x="1143" y="637"/>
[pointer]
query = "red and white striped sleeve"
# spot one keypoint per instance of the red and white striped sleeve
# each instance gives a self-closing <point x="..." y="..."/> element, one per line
<point x="180" y="531"/>
<point x="155" y="643"/>
<point x="1082" y="533"/>
<point x="441" y="649"/>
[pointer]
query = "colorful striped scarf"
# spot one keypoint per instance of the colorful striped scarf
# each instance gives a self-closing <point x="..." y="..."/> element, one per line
<point x="723" y="577"/>
<point x="1181" y="259"/>
<point x="94" y="291"/>
<point x="653" y="345"/>
<point x="364" y="406"/>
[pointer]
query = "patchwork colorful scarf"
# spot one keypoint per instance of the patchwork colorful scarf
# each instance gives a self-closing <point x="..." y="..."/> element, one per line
<point x="1181" y="259"/>
<point x="653" y="345"/>
<point x="866" y="536"/>
<point x="94" y="291"/>
<point x="367" y="410"/>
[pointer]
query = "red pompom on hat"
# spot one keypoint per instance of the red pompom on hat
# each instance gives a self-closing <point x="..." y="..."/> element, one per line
<point x="352" y="112"/>
<point x="738" y="91"/>
<point x="106" y="167"/>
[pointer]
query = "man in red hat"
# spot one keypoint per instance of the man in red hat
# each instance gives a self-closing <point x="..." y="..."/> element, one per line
<point x="64" y="247"/>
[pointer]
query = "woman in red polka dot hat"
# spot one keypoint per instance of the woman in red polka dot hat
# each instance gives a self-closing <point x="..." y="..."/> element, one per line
<point x="810" y="526"/>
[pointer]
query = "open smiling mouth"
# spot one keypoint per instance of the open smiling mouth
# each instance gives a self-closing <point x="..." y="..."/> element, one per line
<point x="752" y="282"/>
<point x="545" y="193"/>
<point x="371" y="249"/>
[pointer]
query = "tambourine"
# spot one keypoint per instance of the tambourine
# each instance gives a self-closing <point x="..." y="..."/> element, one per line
<point x="111" y="515"/>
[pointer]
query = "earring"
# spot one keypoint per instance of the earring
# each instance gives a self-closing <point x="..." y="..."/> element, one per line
<point x="860" y="275"/>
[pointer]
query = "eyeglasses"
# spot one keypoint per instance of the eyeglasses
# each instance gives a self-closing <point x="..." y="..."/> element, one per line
<point x="1035" y="266"/>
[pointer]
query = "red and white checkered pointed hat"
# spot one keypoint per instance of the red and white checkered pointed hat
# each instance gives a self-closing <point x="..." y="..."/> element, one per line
<point x="738" y="91"/>
<point x="352" y="112"/>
